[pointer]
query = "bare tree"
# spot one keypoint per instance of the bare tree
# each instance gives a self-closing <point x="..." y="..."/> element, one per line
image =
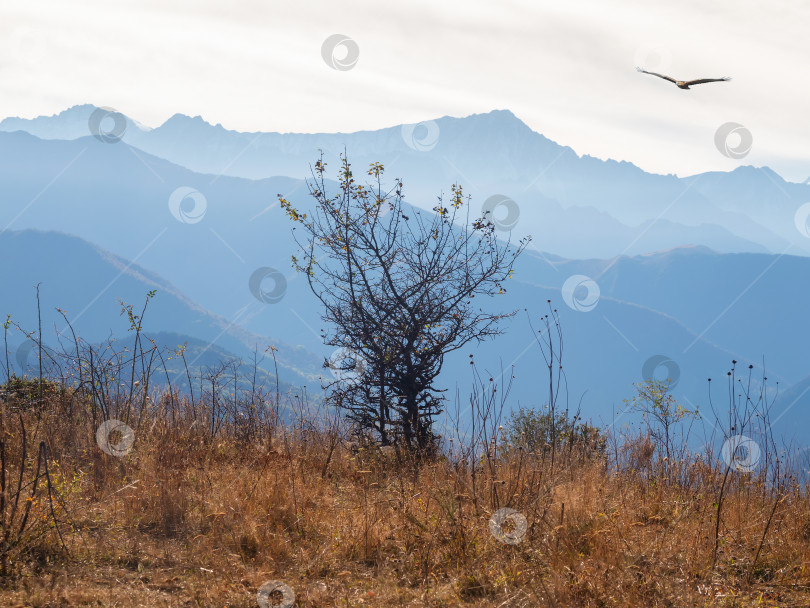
<point x="397" y="288"/>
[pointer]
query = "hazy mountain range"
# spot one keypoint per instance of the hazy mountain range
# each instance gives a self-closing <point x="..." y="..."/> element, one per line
<point x="608" y="205"/>
<point x="711" y="267"/>
<point x="91" y="285"/>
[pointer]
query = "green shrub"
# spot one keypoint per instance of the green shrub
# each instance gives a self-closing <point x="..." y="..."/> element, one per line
<point x="533" y="430"/>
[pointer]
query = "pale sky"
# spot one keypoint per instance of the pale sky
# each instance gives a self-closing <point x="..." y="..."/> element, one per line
<point x="566" y="68"/>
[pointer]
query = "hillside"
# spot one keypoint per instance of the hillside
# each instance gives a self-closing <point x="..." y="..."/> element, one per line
<point x="296" y="515"/>
<point x="118" y="197"/>
<point x="90" y="284"/>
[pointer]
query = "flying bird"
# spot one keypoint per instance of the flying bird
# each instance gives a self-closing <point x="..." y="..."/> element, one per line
<point x="684" y="84"/>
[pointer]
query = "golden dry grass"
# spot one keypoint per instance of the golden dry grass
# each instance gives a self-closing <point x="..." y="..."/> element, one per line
<point x="187" y="520"/>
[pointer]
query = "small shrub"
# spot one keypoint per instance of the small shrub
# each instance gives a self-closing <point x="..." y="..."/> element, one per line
<point x="535" y="430"/>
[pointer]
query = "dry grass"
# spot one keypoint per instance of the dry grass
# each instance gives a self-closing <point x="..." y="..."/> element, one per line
<point x="190" y="520"/>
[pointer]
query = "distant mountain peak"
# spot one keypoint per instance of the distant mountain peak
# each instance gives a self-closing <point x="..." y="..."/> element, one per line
<point x="71" y="123"/>
<point x="758" y="171"/>
<point x="501" y="114"/>
<point x="185" y="118"/>
<point x="83" y="109"/>
<point x="499" y="118"/>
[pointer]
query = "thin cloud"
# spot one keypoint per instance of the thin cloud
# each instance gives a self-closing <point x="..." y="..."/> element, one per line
<point x="566" y="69"/>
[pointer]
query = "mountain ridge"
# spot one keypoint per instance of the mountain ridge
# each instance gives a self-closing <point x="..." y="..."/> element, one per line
<point x="745" y="209"/>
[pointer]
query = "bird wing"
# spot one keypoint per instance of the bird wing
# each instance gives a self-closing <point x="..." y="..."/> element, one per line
<point x="702" y="80"/>
<point x="656" y="74"/>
